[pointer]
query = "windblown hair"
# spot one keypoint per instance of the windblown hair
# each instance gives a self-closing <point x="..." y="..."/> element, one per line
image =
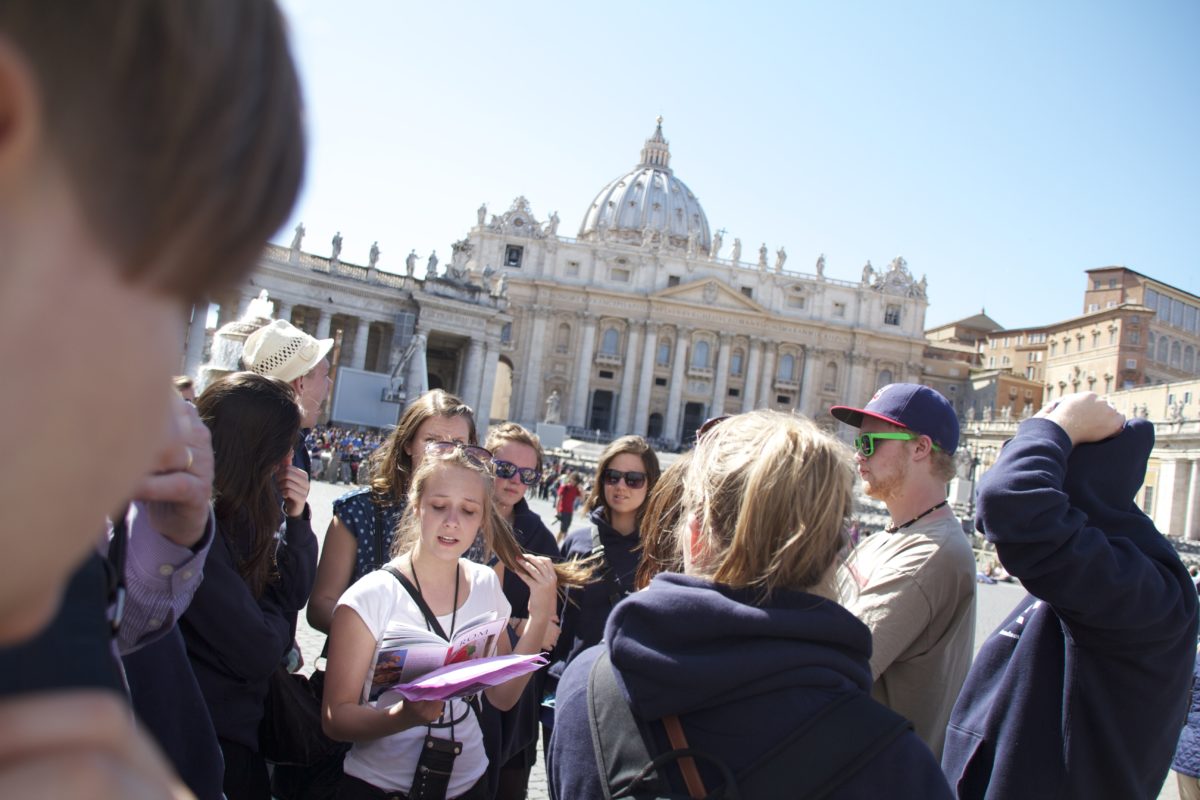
<point x="254" y="422"/>
<point x="497" y="533"/>
<point x="179" y="124"/>
<point x="771" y="493"/>
<point x="626" y="444"/>
<point x="391" y="466"/>
<point x="660" y="524"/>
<point x="511" y="432"/>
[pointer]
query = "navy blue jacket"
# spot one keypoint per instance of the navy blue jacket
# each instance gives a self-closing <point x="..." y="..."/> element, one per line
<point x="740" y="675"/>
<point x="236" y="641"/>
<point x="584" y="611"/>
<point x="1081" y="692"/>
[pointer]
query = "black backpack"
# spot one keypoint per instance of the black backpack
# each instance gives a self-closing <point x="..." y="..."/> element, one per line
<point x="809" y="764"/>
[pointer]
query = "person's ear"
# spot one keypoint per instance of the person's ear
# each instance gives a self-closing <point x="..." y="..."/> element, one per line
<point x="693" y="541"/>
<point x="20" y="109"/>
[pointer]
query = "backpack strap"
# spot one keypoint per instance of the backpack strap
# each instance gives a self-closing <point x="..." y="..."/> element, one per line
<point x="621" y="743"/>
<point x="831" y="747"/>
<point x="616" y="592"/>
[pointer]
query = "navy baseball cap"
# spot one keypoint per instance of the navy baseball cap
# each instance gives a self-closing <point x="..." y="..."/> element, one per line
<point x="909" y="405"/>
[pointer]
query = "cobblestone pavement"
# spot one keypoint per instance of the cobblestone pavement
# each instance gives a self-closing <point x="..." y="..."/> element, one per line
<point x="994" y="604"/>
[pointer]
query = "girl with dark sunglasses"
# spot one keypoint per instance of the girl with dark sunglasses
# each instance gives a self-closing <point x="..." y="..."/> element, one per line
<point x="517" y="465"/>
<point x="625" y="476"/>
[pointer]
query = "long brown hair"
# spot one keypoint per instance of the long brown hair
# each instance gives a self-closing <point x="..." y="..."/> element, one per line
<point x="254" y="422"/>
<point x="497" y="533"/>
<point x="626" y="444"/>
<point x="512" y="433"/>
<point x="660" y="524"/>
<point x="771" y="493"/>
<point x="391" y="465"/>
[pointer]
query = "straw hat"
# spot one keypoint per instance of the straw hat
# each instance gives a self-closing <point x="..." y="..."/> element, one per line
<point x="281" y="350"/>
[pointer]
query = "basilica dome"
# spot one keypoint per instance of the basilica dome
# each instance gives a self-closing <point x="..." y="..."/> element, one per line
<point x="648" y="204"/>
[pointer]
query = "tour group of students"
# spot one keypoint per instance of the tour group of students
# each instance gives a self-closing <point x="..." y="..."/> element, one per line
<point x="739" y="632"/>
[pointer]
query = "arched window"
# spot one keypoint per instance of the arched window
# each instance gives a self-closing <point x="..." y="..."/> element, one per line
<point x="609" y="342"/>
<point x="1150" y="346"/>
<point x="787" y="367"/>
<point x="831" y="377"/>
<point x="562" y="342"/>
<point x="885" y="377"/>
<point x="735" y="363"/>
<point x="506" y="333"/>
<point x="1176" y="354"/>
<point x="700" y="355"/>
<point x="654" y="426"/>
<point x="1189" y="359"/>
<point x="1163" y="349"/>
<point x="664" y="353"/>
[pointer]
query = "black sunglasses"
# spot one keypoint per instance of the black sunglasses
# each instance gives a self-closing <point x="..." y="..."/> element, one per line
<point x="634" y="480"/>
<point x="480" y="456"/>
<point x="506" y="469"/>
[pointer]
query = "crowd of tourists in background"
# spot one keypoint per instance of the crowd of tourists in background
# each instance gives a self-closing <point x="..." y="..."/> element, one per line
<point x="708" y="630"/>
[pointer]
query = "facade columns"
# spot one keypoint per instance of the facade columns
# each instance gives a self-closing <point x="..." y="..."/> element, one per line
<point x="472" y="374"/>
<point x="674" y="403"/>
<point x="721" y="379"/>
<point x="641" y="418"/>
<point x="1191" y="528"/>
<point x="358" y="348"/>
<point x="531" y="382"/>
<point x="625" y="406"/>
<point x="857" y="366"/>
<point x="196" y="333"/>
<point x="808" y="383"/>
<point x="283" y="311"/>
<point x="750" y="390"/>
<point x="766" y="386"/>
<point x="487" y="388"/>
<point x="323" y="321"/>
<point x="583" y="373"/>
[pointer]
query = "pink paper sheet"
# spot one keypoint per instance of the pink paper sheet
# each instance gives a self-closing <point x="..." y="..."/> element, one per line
<point x="469" y="677"/>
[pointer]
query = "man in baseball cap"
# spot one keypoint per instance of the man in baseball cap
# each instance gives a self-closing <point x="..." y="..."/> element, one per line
<point x="913" y="584"/>
<point x="281" y="350"/>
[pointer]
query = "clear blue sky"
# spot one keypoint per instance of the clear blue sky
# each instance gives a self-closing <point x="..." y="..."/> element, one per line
<point x="1001" y="148"/>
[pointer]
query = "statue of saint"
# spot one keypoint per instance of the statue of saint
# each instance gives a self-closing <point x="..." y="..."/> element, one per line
<point x="821" y="266"/>
<point x="780" y="258"/>
<point x="691" y="244"/>
<point x="552" y="225"/>
<point x="987" y="413"/>
<point x="971" y="414"/>
<point x="374" y="257"/>
<point x="716" y="245"/>
<point x="481" y="213"/>
<point x="647" y="237"/>
<point x="299" y="237"/>
<point x="502" y="286"/>
<point x="553" y="410"/>
<point x="410" y="263"/>
<point x="868" y="274"/>
<point x="337" y="246"/>
<point x="736" y="256"/>
<point x="431" y="267"/>
<point x="762" y="256"/>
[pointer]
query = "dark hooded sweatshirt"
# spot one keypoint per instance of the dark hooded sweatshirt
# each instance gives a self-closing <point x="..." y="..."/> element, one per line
<point x="1081" y="692"/>
<point x="740" y="676"/>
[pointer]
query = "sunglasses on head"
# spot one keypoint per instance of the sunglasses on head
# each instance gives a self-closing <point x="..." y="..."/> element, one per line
<point x="634" y="480"/>
<point x="865" y="442"/>
<point x="506" y="469"/>
<point x="480" y="456"/>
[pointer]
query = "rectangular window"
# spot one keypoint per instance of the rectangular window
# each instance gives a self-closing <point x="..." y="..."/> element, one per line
<point x="783" y="399"/>
<point x="1093" y="307"/>
<point x="735" y="392"/>
<point x="1131" y="363"/>
<point x="795" y="301"/>
<point x="1097" y="284"/>
<point x="1066" y="346"/>
<point x="991" y="362"/>
<point x="1112" y="283"/>
<point x="618" y="275"/>
<point x="1151" y="299"/>
<point x="1095" y="339"/>
<point x="660" y="381"/>
<point x="891" y="316"/>
<point x="513" y="254"/>
<point x="606" y="374"/>
<point x="1177" y="313"/>
<point x="672" y="280"/>
<point x="1148" y="500"/>
<point x="748" y="291"/>
<point x="1135" y="337"/>
<point x="1111" y="304"/>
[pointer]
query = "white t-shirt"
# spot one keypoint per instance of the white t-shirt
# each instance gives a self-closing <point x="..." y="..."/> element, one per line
<point x="389" y="763"/>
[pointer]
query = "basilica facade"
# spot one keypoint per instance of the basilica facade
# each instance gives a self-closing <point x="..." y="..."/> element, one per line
<point x="646" y="321"/>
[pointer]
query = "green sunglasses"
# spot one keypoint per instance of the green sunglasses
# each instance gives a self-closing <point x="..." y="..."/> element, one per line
<point x="865" y="442"/>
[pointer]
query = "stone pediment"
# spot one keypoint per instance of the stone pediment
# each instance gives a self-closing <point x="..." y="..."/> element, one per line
<point x="710" y="293"/>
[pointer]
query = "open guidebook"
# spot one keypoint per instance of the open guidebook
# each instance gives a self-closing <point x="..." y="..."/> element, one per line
<point x="421" y="665"/>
